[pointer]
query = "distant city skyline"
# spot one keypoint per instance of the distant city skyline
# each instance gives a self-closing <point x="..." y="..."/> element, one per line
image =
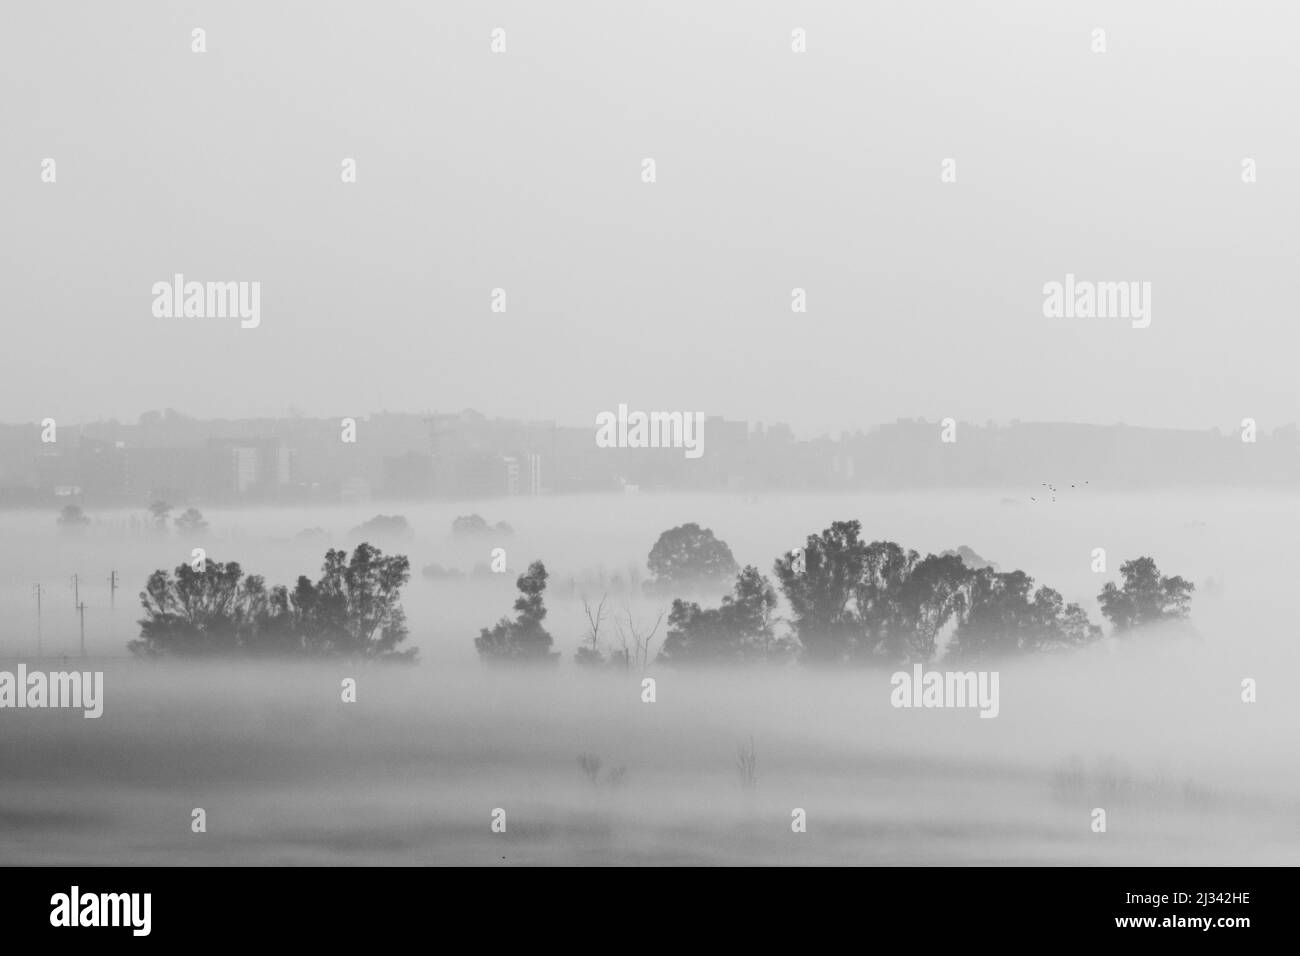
<point x="165" y="455"/>
<point x="800" y="432"/>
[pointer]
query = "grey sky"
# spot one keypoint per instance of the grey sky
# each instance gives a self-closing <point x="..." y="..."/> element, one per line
<point x="775" y="170"/>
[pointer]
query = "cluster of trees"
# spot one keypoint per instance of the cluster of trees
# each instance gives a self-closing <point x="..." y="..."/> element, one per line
<point x="383" y="526"/>
<point x="526" y="640"/>
<point x="353" y="610"/>
<point x="741" y="630"/>
<point x="190" y="521"/>
<point x="73" y="518"/>
<point x="850" y="602"/>
<point x="853" y="601"/>
<point x="468" y="526"/>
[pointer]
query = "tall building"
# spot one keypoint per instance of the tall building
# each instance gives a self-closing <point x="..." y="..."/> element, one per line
<point x="512" y="474"/>
<point x="534" y="474"/>
<point x="252" y="467"/>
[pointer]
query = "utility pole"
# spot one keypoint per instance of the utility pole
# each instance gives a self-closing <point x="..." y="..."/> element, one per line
<point x="76" y="590"/>
<point x="38" y="590"/>
<point x="112" y="590"/>
<point x="81" y="608"/>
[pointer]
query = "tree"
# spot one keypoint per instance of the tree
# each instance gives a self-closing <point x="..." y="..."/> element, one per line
<point x="476" y="525"/>
<point x="853" y="601"/>
<point x="354" y="610"/>
<point x="821" y="594"/>
<point x="634" y="656"/>
<point x="72" y="518"/>
<point x="590" y="655"/>
<point x="524" y="639"/>
<point x="689" y="557"/>
<point x="1007" y="616"/>
<point x="159" y="511"/>
<point x="383" y="526"/>
<point x="971" y="559"/>
<point x="195" y="613"/>
<point x="739" y="631"/>
<point x="1146" y="597"/>
<point x="905" y="601"/>
<point x="192" y="522"/>
<point x="470" y="525"/>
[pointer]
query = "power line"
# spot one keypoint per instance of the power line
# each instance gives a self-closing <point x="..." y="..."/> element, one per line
<point x="81" y="608"/>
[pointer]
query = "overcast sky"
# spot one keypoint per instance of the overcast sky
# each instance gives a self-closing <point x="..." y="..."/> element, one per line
<point x="775" y="170"/>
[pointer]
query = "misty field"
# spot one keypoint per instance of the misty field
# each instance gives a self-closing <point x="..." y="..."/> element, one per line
<point x="1152" y="729"/>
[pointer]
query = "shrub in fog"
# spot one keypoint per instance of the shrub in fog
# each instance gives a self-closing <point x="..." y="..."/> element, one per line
<point x="72" y="518"/>
<point x="591" y="764"/>
<point x="192" y="521"/>
<point x="159" y="511"/>
<point x="469" y="526"/>
<point x="747" y="764"/>
<point x="383" y="526"/>
<point x="438" y="572"/>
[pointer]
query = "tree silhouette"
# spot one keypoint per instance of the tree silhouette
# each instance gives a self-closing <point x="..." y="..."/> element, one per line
<point x="525" y="639"/>
<point x="689" y="557"/>
<point x="739" y="631"/>
<point x="159" y="511"/>
<point x="1146" y="596"/>
<point x="72" y="518"/>
<point x="1007" y="617"/>
<point x="905" y="600"/>
<point x="590" y="655"/>
<point x="353" y="610"/>
<point x="821" y="595"/>
<point x="192" y="521"/>
<point x="355" y="607"/>
<point x="383" y="526"/>
<point x="859" y="602"/>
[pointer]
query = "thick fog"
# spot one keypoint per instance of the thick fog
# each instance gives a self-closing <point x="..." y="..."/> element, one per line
<point x="435" y="243"/>
<point x="1152" y="727"/>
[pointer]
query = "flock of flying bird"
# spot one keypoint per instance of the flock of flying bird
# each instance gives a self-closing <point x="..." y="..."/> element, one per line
<point x="1052" y="488"/>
